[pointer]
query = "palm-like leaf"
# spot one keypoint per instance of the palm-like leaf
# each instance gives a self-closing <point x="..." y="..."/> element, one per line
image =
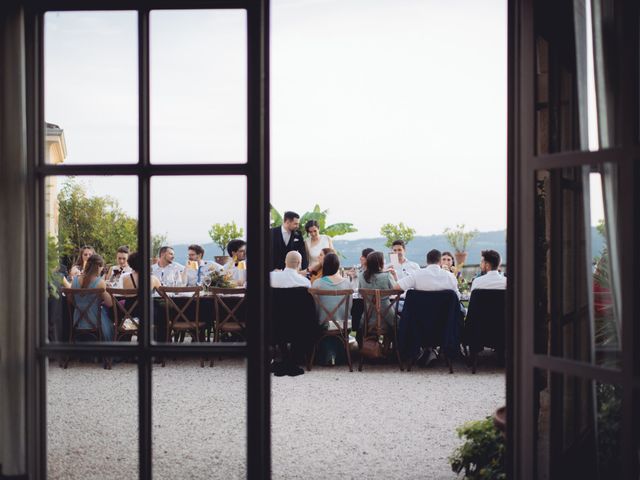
<point x="339" y="229"/>
<point x="276" y="218"/>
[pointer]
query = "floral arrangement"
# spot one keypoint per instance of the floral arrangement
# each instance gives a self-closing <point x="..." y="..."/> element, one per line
<point x="221" y="280"/>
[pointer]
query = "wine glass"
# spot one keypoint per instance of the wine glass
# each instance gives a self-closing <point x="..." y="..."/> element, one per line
<point x="207" y="282"/>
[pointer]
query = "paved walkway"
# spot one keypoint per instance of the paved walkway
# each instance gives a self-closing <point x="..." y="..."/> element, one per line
<point x="327" y="423"/>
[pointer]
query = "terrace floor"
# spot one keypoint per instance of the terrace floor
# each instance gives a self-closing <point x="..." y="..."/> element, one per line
<point x="327" y="423"/>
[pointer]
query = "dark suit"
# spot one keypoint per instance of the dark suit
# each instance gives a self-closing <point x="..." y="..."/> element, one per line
<point x="279" y="250"/>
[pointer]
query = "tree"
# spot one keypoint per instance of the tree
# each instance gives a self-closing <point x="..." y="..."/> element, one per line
<point x="223" y="233"/>
<point x="96" y="221"/>
<point x="319" y="216"/>
<point x="157" y="241"/>
<point x="397" y="232"/>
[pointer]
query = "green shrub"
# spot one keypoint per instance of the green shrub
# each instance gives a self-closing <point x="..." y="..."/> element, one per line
<point x="482" y="455"/>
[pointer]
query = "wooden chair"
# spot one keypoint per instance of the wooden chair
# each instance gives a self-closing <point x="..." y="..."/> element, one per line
<point x="84" y="314"/>
<point x="373" y="307"/>
<point x="123" y="312"/>
<point x="228" y="302"/>
<point x="178" y="323"/>
<point x="337" y="327"/>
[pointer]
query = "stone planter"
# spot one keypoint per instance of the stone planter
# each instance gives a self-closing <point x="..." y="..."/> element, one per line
<point x="222" y="259"/>
<point x="500" y="419"/>
<point x="461" y="258"/>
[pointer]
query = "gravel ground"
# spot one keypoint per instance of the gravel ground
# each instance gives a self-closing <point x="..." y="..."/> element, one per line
<point x="379" y="423"/>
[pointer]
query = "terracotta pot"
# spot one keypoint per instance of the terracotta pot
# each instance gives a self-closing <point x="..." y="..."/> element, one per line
<point x="461" y="258"/>
<point x="222" y="259"/>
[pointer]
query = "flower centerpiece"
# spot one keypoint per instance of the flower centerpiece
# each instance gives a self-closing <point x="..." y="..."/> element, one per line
<point x="220" y="280"/>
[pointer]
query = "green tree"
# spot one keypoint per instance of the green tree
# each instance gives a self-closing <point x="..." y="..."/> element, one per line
<point x="397" y="232"/>
<point x="320" y="216"/>
<point x="459" y="238"/>
<point x="158" y="240"/>
<point x="223" y="233"/>
<point x="97" y="221"/>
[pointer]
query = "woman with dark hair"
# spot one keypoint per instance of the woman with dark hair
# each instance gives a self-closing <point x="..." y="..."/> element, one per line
<point x="133" y="280"/>
<point x="375" y="278"/>
<point x="331" y="280"/>
<point x="91" y="277"/>
<point x="315" y="242"/>
<point x="81" y="261"/>
<point x="448" y="262"/>
<point x="315" y="271"/>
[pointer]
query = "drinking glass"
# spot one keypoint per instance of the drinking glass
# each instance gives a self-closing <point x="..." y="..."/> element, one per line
<point x="207" y="282"/>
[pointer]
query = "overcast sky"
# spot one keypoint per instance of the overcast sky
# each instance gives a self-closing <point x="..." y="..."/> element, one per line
<point x="381" y="110"/>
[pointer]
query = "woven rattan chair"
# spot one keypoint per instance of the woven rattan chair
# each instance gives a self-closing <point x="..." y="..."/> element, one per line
<point x="178" y="322"/>
<point x="337" y="327"/>
<point x="373" y="308"/>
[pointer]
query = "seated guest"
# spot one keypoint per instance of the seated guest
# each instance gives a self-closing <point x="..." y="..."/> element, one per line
<point x="490" y="278"/>
<point x="290" y="276"/>
<point x="121" y="268"/>
<point x="315" y="242"/>
<point x="197" y="267"/>
<point x="315" y="271"/>
<point x="430" y="278"/>
<point x="448" y="262"/>
<point x="374" y="278"/>
<point x="331" y="280"/>
<point x="237" y="250"/>
<point x="133" y="280"/>
<point x="357" y="305"/>
<point x="91" y="278"/>
<point x="165" y="269"/>
<point x="83" y="256"/>
<point x="405" y="267"/>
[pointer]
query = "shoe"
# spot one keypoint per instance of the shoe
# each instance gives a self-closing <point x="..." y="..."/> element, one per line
<point x="294" y="370"/>
<point x="275" y="365"/>
<point x="280" y="369"/>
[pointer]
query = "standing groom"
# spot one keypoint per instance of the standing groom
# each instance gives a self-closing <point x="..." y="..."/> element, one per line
<point x="287" y="238"/>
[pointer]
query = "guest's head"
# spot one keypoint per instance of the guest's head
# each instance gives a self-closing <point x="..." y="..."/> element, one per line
<point x="490" y="260"/>
<point x="399" y="247"/>
<point x="434" y="257"/>
<point x="312" y="228"/>
<point x="237" y="249"/>
<point x="195" y="253"/>
<point x="135" y="262"/>
<point x="92" y="269"/>
<point x="448" y="260"/>
<point x="83" y="256"/>
<point x="293" y="260"/>
<point x="323" y="253"/>
<point x="165" y="255"/>
<point x="375" y="264"/>
<point x="291" y="221"/>
<point x="122" y="256"/>
<point x="363" y="257"/>
<point x="330" y="265"/>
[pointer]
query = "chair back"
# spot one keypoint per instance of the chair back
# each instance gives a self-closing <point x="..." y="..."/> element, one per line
<point x="124" y="309"/>
<point x="293" y="311"/>
<point x="344" y="302"/>
<point x="176" y="312"/>
<point x="83" y="301"/>
<point x="229" y="304"/>
<point x="373" y="306"/>
<point x="486" y="319"/>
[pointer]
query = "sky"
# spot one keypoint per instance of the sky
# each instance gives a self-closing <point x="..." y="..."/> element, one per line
<point x="381" y="110"/>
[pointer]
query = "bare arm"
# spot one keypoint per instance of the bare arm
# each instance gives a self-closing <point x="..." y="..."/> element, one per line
<point x="106" y="298"/>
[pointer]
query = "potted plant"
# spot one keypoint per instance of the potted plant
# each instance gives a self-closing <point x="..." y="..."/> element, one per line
<point x="397" y="232"/>
<point x="222" y="234"/>
<point x="481" y="457"/>
<point x="459" y="239"/>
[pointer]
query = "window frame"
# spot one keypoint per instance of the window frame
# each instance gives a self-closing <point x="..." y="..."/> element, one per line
<point x="256" y="172"/>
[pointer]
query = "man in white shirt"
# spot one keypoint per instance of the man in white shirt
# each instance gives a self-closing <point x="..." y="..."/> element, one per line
<point x="237" y="265"/>
<point x="405" y="267"/>
<point x="289" y="277"/>
<point x="197" y="267"/>
<point x="432" y="278"/>
<point x="166" y="270"/>
<point x="491" y="278"/>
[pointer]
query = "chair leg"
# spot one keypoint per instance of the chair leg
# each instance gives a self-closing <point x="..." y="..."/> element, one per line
<point x="313" y="356"/>
<point x="346" y="347"/>
<point x="448" y="360"/>
<point x="474" y="362"/>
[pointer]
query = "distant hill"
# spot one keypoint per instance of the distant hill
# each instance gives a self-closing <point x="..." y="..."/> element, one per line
<point x="416" y="250"/>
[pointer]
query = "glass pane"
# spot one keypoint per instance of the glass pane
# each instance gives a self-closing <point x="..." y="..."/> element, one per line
<point x="91" y="87"/>
<point x="198" y="86"/>
<point x="574" y="97"/>
<point x="198" y="227"/>
<point x="577" y="298"/>
<point x="92" y="420"/>
<point x="200" y="419"/>
<point x="86" y="216"/>
<point x="578" y="432"/>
